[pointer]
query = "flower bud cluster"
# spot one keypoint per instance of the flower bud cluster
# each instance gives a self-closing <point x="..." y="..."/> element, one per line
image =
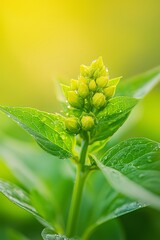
<point x="75" y="125"/>
<point x="89" y="94"/>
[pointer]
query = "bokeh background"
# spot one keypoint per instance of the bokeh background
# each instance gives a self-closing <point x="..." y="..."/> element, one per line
<point x="42" y="41"/>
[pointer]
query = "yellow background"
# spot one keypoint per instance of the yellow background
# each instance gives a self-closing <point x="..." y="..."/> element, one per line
<point x="44" y="40"/>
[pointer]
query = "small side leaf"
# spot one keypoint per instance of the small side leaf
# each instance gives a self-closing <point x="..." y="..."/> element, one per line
<point x="47" y="129"/>
<point x="48" y="234"/>
<point x="21" y="199"/>
<point x="111" y="118"/>
<point x="133" y="168"/>
<point x="114" y="81"/>
<point x="138" y="86"/>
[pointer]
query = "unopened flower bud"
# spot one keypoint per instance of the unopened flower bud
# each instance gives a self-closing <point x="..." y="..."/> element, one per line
<point x="74" y="84"/>
<point x="110" y="91"/>
<point x="102" y="81"/>
<point x="97" y="64"/>
<point x="75" y="100"/>
<point x="92" y="85"/>
<point x="87" y="123"/>
<point x="83" y="80"/>
<point x="98" y="68"/>
<point x="104" y="71"/>
<point x="83" y="90"/>
<point x="72" y="125"/>
<point x="97" y="73"/>
<point x="99" y="100"/>
<point x="84" y="70"/>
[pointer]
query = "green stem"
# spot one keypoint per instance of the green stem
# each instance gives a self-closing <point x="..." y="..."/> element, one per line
<point x="77" y="192"/>
<point x="84" y="151"/>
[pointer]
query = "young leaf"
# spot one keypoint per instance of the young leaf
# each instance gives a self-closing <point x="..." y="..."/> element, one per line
<point x="133" y="168"/>
<point x="139" y="85"/>
<point x="111" y="118"/>
<point x="21" y="199"/>
<point x="47" y="129"/>
<point x="48" y="234"/>
<point x="114" y="81"/>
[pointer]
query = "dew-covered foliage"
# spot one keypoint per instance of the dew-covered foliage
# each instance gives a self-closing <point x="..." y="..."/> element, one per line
<point x="73" y="192"/>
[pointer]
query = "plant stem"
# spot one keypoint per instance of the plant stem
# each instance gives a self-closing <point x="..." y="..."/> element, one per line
<point x="77" y="192"/>
<point x="84" y="151"/>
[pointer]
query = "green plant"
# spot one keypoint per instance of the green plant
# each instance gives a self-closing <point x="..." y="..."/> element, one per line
<point x="125" y="178"/>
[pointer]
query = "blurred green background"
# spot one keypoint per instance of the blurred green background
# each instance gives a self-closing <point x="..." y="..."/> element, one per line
<point x="42" y="41"/>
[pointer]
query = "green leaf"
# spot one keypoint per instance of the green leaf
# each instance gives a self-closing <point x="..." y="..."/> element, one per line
<point x="27" y="163"/>
<point x="21" y="158"/>
<point x="20" y="198"/>
<point x="109" y="230"/>
<point x="48" y="234"/>
<point x="138" y="86"/>
<point x="114" y="81"/>
<point x="112" y="205"/>
<point x="13" y="234"/>
<point x="47" y="129"/>
<point x="111" y="118"/>
<point x="133" y="168"/>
